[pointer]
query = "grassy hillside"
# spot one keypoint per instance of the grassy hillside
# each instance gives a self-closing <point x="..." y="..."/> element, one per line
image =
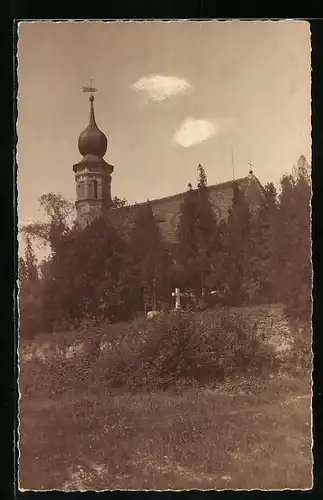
<point x="204" y="439"/>
<point x="202" y="402"/>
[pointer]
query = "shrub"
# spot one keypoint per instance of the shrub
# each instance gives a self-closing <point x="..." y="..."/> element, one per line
<point x="205" y="347"/>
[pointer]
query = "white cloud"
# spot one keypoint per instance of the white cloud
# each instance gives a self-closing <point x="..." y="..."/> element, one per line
<point x="193" y="131"/>
<point x="160" y="87"/>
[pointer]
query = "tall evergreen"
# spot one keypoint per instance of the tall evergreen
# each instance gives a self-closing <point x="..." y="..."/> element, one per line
<point x="236" y="247"/>
<point x="197" y="236"/>
<point x="188" y="241"/>
<point x="260" y="270"/>
<point x="202" y="178"/>
<point x="294" y="250"/>
<point x="149" y="260"/>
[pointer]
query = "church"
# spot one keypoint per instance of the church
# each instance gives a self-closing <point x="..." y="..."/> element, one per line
<point x="93" y="188"/>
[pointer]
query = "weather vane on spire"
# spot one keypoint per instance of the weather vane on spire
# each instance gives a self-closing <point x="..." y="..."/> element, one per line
<point x="90" y="88"/>
<point x="250" y="167"/>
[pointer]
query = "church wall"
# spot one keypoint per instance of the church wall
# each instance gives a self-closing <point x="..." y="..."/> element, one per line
<point x="167" y="210"/>
<point x="86" y="211"/>
<point x="167" y="215"/>
<point x="221" y="201"/>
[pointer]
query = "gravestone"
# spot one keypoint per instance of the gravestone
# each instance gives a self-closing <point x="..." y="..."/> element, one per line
<point x="177" y="294"/>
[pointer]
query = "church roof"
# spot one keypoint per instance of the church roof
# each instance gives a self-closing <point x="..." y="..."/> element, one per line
<point x="243" y="182"/>
<point x="167" y="209"/>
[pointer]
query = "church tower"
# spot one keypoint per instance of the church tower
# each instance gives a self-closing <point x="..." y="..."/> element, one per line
<point x="92" y="173"/>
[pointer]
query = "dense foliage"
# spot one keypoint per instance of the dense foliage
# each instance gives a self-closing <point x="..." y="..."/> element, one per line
<point x="29" y="293"/>
<point x="249" y="257"/>
<point x="197" y="236"/>
<point x="184" y="347"/>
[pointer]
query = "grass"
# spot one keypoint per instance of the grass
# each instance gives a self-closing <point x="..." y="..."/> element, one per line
<point x="246" y="427"/>
<point x="232" y="437"/>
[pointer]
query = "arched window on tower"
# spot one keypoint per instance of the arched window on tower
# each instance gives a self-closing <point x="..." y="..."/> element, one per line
<point x="95" y="188"/>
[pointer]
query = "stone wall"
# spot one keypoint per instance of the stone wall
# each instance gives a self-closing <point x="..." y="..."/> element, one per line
<point x="271" y="324"/>
<point x="269" y="320"/>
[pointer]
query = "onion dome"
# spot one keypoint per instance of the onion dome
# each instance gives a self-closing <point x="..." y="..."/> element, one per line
<point x="92" y="141"/>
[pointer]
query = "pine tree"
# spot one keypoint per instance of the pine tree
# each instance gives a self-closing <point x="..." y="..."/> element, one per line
<point x="197" y="236"/>
<point x="259" y="279"/>
<point x="294" y="241"/>
<point x="103" y="281"/>
<point x="188" y="242"/>
<point x="149" y="259"/>
<point x="236" y="247"/>
<point x="202" y="179"/>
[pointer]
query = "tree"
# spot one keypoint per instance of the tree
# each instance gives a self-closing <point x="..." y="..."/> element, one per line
<point x="236" y="245"/>
<point x="294" y="238"/>
<point x="28" y="293"/>
<point x="118" y="203"/>
<point x="188" y="242"/>
<point x="150" y="261"/>
<point x="202" y="179"/>
<point x="88" y="282"/>
<point x="30" y="262"/>
<point x="59" y="212"/>
<point x="198" y="236"/>
<point x="260" y="268"/>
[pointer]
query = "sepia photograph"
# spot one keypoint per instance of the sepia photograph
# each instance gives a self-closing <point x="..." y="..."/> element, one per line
<point x="164" y="245"/>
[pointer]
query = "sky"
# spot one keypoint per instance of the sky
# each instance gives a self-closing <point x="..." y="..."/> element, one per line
<point x="170" y="95"/>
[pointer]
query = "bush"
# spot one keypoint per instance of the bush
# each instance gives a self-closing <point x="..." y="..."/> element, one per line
<point x="177" y="347"/>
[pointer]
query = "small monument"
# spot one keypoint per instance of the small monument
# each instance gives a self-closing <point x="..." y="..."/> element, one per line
<point x="177" y="294"/>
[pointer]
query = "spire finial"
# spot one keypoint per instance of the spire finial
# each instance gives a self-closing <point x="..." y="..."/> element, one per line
<point x="250" y="168"/>
<point x="90" y="89"/>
